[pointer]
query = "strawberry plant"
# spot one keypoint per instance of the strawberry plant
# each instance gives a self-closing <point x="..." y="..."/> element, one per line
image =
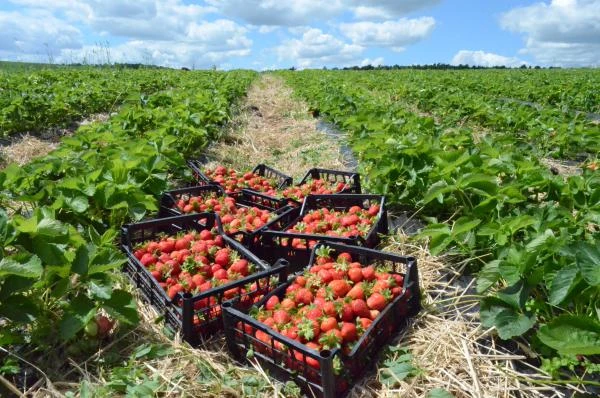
<point x="58" y="260"/>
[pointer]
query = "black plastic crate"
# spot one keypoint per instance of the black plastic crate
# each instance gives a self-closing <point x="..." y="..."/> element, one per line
<point x="288" y="359"/>
<point x="262" y="170"/>
<point x="349" y="178"/>
<point x="271" y="243"/>
<point x="169" y="199"/>
<point x="196" y="316"/>
<point x="245" y="198"/>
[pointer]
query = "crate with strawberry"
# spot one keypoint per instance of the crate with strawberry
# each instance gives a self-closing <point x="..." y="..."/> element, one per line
<point x="262" y="178"/>
<point x="240" y="215"/>
<point x="326" y="326"/>
<point x="353" y="219"/>
<point x="186" y="267"/>
<point x="319" y="181"/>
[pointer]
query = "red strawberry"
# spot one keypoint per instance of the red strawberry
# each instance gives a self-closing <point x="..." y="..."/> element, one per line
<point x="339" y="287"/>
<point x="349" y="332"/>
<point x="360" y="308"/>
<point x="272" y="302"/>
<point x="376" y="302"/>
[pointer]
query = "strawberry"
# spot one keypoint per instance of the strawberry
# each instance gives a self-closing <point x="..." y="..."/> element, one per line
<point x="360" y="308"/>
<point x="328" y="324"/>
<point x="281" y="316"/>
<point x="349" y="332"/>
<point x="376" y="302"/>
<point x="339" y="287"/>
<point x="272" y="303"/>
<point x="222" y="257"/>
<point x="355" y="275"/>
<point x="173" y="290"/>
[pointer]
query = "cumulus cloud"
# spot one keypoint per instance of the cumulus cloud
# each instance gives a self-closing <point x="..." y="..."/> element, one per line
<point x="205" y="44"/>
<point x="164" y="32"/>
<point x="374" y="62"/>
<point x="387" y="9"/>
<point x="174" y="54"/>
<point x="481" y="58"/>
<point x="562" y="32"/>
<point x="36" y="36"/>
<point x="279" y="13"/>
<point x="391" y="34"/>
<point x="301" y="12"/>
<point x="318" y="49"/>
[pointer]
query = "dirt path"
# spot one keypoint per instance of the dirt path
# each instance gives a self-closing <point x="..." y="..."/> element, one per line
<point x="275" y="128"/>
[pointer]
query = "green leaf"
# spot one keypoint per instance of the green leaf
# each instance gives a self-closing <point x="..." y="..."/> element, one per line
<point x="152" y="351"/>
<point x="588" y="261"/>
<point x="105" y="260"/>
<point x="514" y="295"/>
<point x="79" y="312"/>
<point x="81" y="261"/>
<point x="13" y="284"/>
<point x="540" y="240"/>
<point x="122" y="306"/>
<point x="508" y="322"/>
<point x="3" y="228"/>
<point x="563" y="283"/>
<point x="439" y="393"/>
<point x="488" y="276"/>
<point x="51" y="228"/>
<point x="79" y="204"/>
<point x="394" y="372"/>
<point x="464" y="224"/>
<point x="19" y="308"/>
<point x="24" y="266"/>
<point x="437" y="191"/>
<point x="572" y="335"/>
<point x="102" y="292"/>
<point x="49" y="253"/>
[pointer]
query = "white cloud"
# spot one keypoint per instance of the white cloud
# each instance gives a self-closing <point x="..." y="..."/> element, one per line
<point x="279" y="13"/>
<point x="318" y="49"/>
<point x="301" y="12"/>
<point x="563" y="32"/>
<point x="264" y="29"/>
<point x="35" y="36"/>
<point x="163" y="32"/>
<point x="387" y="9"/>
<point x="390" y="34"/>
<point x="481" y="58"/>
<point x="204" y="45"/>
<point x="374" y="62"/>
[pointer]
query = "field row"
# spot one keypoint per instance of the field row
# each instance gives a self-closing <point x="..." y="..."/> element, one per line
<point x="64" y="210"/>
<point x="34" y="101"/>
<point x="531" y="234"/>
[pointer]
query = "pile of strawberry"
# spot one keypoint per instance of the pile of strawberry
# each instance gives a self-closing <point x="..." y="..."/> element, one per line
<point x="192" y="262"/>
<point x="234" y="218"/>
<point x="314" y="187"/>
<point x="352" y="223"/>
<point x="233" y="181"/>
<point x="330" y="305"/>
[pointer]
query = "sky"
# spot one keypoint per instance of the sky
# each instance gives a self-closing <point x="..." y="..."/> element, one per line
<point x="275" y="34"/>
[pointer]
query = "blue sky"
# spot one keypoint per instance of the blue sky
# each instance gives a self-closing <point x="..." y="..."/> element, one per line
<point x="265" y="34"/>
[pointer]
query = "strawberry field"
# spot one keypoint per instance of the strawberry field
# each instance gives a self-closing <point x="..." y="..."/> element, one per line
<point x="182" y="248"/>
<point x="449" y="145"/>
